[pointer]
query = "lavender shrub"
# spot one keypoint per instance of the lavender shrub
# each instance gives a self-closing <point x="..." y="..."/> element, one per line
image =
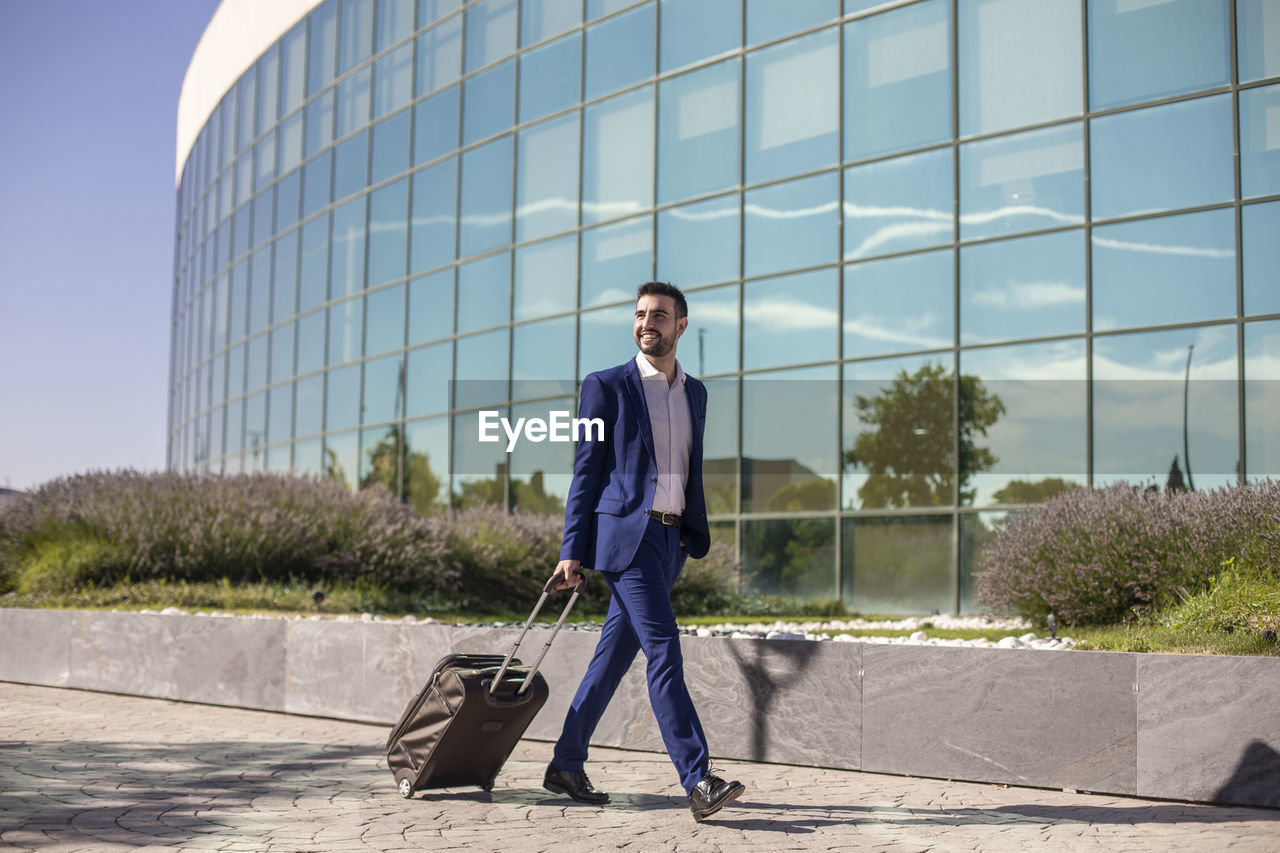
<point x="1093" y="557"/>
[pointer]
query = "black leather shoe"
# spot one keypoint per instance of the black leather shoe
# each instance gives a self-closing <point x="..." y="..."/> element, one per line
<point x="712" y="794"/>
<point x="574" y="783"/>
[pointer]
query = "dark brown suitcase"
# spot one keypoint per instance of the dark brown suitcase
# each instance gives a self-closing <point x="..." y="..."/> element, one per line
<point x="461" y="727"/>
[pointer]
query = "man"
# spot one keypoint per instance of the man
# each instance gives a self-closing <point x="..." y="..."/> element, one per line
<point x="635" y="513"/>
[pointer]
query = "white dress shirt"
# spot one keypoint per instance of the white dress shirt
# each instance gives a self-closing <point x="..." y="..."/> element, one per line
<point x="672" y="433"/>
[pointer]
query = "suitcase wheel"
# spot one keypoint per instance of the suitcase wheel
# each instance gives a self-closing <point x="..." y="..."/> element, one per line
<point x="406" y="788"/>
<point x="487" y="786"/>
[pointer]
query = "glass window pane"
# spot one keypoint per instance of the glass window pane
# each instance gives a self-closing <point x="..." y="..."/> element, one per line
<point x="1260" y="140"/>
<point x="620" y="51"/>
<point x="789" y="463"/>
<point x="431" y="307"/>
<point x="314" y="287"/>
<point x="486" y="197"/>
<point x="244" y="177"/>
<point x="291" y="143"/>
<point x="393" y="81"/>
<point x="790" y="557"/>
<point x="263" y="216"/>
<point x="247" y="92"/>
<point x="542" y="19"/>
<point x="549" y="77"/>
<point x="900" y="204"/>
<point x="1025" y="288"/>
<point x="311" y="344"/>
<point x="279" y="414"/>
<point x="342" y="458"/>
<point x="255" y="430"/>
<point x="542" y="361"/>
<point x="899" y="433"/>
<point x="380" y="462"/>
<point x="897" y="79"/>
<point x="384" y="320"/>
<point x="260" y="290"/>
<point x="1142" y="387"/>
<point x="491" y="32"/>
<point x="696" y="29"/>
<point x="268" y="88"/>
<point x="342" y="398"/>
<point x="309" y="406"/>
<point x="351" y="166"/>
<point x="711" y="341"/>
<point x="1140" y="51"/>
<point x="479" y="469"/>
<point x="440" y="56"/>
<point x="1022" y="435"/>
<point x="346" y="328"/>
<point x="348" y="241"/>
<point x="316" y="183"/>
<point x="284" y="302"/>
<point x="792" y="107"/>
<point x="547" y="188"/>
<point x="383" y="390"/>
<point x="700" y="243"/>
<point x="1020" y="63"/>
<point x="388" y="233"/>
<point x="256" y="354"/>
<point x="356" y="33"/>
<point x="229" y="148"/>
<point x="618" y="157"/>
<point x="1259" y="226"/>
<point x="616" y="259"/>
<point x="488" y="102"/>
<point x="355" y="97"/>
<point x="308" y="458"/>
<point x="1022" y="182"/>
<point x="319" y="115"/>
<point x="899" y="565"/>
<point x="768" y="19"/>
<point x="426" y="469"/>
<point x="427" y="382"/>
<point x="484" y="292"/>
<point x="698" y="132"/>
<point x="235" y="371"/>
<point x="282" y="353"/>
<point x="434" y="224"/>
<point x="435" y="126"/>
<point x="390" y="147"/>
<point x="1258" y="31"/>
<point x="899" y="304"/>
<point x="323" y="42"/>
<point x="433" y="10"/>
<point x="546" y="280"/>
<point x="1262" y="399"/>
<point x="792" y="225"/>
<point x="1177" y="155"/>
<point x="481" y="369"/>
<point x="1174" y="269"/>
<point x="790" y="320"/>
<point x="395" y="22"/>
<point x="234" y="430"/>
<point x="540" y="472"/>
<point x="293" y="69"/>
<point x="605" y="338"/>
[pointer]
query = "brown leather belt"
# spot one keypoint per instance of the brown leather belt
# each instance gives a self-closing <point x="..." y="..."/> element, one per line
<point x="670" y="519"/>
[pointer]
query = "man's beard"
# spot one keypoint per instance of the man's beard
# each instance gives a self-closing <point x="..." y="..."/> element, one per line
<point x="658" y="348"/>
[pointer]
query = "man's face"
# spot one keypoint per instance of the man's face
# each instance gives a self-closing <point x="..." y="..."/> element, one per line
<point x="656" y="327"/>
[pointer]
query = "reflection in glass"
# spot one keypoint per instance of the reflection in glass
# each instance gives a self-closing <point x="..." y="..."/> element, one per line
<point x="289" y="196"/>
<point x="1169" y="270"/>
<point x="345" y="329"/>
<point x="1140" y="393"/>
<point x="550" y="77"/>
<point x="790" y="557"/>
<point x="281" y="354"/>
<point x="1141" y="51"/>
<point x="977" y="531"/>
<point x="899" y="304"/>
<point x="247" y="91"/>
<point x="699" y="243"/>
<point x="696" y="29"/>
<point x="605" y="337"/>
<point x="235" y="427"/>
<point x="790" y="320"/>
<point x="720" y="447"/>
<point x="897" y="79"/>
<point x="431" y="307"/>
<point x="1020" y="63"/>
<point x="433" y="229"/>
<point x="479" y="468"/>
<point x="342" y="401"/>
<point x="791" y="225"/>
<point x="316" y="183"/>
<point x="1259" y="226"/>
<point x="789" y="463"/>
<point x="314" y="289"/>
<point x="620" y="51"/>
<point x="346" y="263"/>
<point x="342" y="458"/>
<point x="390" y="148"/>
<point x="900" y="204"/>
<point x="617" y="163"/>
<point x="616" y="259"/>
<point x="491" y="32"/>
<point x="426" y="464"/>
<point x="481" y="370"/>
<point x="355" y="33"/>
<point x="351" y="166"/>
<point x="279" y="413"/>
<point x="898" y="565"/>
<point x="311" y="344"/>
<point x="698" y="132"/>
<point x="546" y="280"/>
<point x="395" y="22"/>
<point x="435" y="126"/>
<point x="1176" y="155"/>
<point x="1023" y="436"/>
<point x="900" y="433"/>
<point x="542" y="19"/>
<point x="792" y="107"/>
<point x="382" y="457"/>
<point x="291" y="143"/>
<point x="1260" y="140"/>
<point x="1262" y="399"/>
<point x="393" y="80"/>
<point x="1258" y="28"/>
<point x="265" y="157"/>
<point x="255" y="430"/>
<point x="484" y="292"/>
<point x="308" y="458"/>
<point x="547" y="188"/>
<point x="710" y="343"/>
<point x="384" y="316"/>
<point x="486" y="197"/>
<point x="319" y="115"/>
<point x="427" y="380"/>
<point x="388" y="232"/>
<point x="293" y="69"/>
<point x="263" y="212"/>
<point x="1023" y="288"/>
<point x="1022" y="182"/>
<point x="541" y="470"/>
<point x="439" y="56"/>
<point x="489" y="103"/>
<point x="384" y="390"/>
<point x="260" y="292"/>
<point x="542" y="361"/>
<point x="268" y="88"/>
<point x="354" y="100"/>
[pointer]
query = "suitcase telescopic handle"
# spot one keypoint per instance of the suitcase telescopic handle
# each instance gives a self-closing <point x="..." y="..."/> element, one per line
<point x="547" y="589"/>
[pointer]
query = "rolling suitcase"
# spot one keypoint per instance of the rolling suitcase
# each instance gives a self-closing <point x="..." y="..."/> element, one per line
<point x="461" y="727"/>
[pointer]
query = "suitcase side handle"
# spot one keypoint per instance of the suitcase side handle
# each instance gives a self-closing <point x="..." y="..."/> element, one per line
<point x="547" y="589"/>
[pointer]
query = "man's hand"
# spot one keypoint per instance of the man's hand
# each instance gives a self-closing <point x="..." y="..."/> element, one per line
<point x="569" y="574"/>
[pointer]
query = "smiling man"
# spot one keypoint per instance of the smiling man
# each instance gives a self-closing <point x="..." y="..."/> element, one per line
<point x="635" y="513"/>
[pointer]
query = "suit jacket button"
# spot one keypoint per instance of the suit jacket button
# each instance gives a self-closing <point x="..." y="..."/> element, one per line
<point x="653" y="479"/>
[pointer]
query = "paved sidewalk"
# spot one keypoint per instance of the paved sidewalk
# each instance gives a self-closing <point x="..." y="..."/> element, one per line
<point x="93" y="771"/>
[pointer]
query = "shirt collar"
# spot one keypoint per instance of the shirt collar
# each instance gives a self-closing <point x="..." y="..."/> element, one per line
<point x="648" y="371"/>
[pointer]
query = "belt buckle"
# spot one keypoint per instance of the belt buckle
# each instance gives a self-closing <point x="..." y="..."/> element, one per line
<point x="664" y="520"/>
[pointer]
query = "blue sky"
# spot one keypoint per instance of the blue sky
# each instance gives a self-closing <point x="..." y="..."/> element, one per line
<point x="88" y="102"/>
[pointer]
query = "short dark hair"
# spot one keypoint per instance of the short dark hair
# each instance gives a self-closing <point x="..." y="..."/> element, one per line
<point x="662" y="288"/>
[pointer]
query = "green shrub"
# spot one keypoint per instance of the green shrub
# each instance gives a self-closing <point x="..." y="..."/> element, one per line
<point x="1240" y="597"/>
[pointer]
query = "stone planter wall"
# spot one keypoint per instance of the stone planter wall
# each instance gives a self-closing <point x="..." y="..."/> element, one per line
<point x="1190" y="727"/>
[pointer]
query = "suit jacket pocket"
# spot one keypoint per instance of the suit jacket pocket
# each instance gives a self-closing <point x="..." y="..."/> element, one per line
<point x="610" y="506"/>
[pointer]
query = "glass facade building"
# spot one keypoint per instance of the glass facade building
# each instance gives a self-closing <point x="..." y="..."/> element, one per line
<point x="944" y="258"/>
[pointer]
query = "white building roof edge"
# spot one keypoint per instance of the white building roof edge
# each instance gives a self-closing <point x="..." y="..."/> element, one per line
<point x="239" y="32"/>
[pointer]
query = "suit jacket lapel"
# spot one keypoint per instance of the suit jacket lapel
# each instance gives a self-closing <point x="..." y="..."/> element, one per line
<point x="640" y="405"/>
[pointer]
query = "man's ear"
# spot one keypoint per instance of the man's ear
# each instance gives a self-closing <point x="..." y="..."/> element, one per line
<point x="681" y="325"/>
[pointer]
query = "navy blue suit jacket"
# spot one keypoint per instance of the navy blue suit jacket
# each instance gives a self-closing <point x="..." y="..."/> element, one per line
<point x="614" y="480"/>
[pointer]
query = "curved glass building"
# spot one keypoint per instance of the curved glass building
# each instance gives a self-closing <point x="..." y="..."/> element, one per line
<point x="944" y="258"/>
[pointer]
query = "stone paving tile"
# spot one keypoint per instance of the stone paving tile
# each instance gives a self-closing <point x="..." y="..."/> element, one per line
<point x="97" y="772"/>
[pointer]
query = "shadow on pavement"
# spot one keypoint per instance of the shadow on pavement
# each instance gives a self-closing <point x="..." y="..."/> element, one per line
<point x="539" y="797"/>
